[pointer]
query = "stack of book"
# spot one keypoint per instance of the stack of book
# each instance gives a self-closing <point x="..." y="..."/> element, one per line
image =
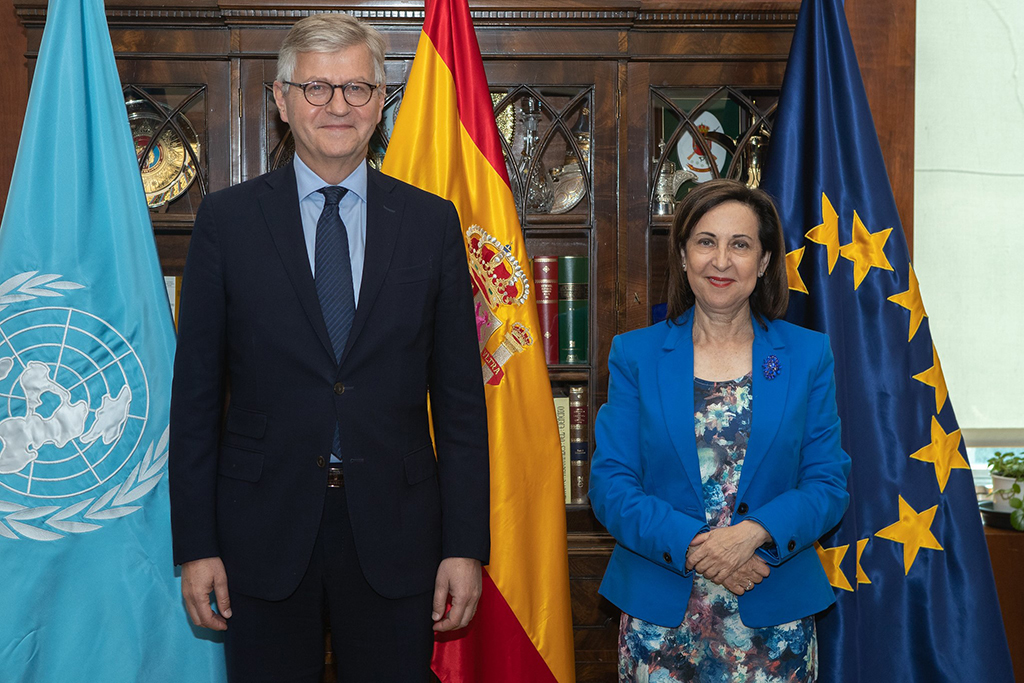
<point x="573" y="430"/>
<point x="562" y="305"/>
<point x="173" y="284"/>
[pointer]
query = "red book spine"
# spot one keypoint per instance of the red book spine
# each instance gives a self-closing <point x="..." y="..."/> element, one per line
<point x="545" y="277"/>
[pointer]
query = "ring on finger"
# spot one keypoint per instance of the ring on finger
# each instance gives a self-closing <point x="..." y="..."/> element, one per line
<point x="750" y="584"/>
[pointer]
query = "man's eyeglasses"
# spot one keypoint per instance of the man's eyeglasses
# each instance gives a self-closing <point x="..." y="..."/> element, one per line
<point x="319" y="93"/>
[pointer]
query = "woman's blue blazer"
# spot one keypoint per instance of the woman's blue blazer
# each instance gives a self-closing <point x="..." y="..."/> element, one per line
<point x="645" y="484"/>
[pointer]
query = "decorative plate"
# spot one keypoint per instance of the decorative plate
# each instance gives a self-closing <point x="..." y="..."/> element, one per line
<point x="691" y="153"/>
<point x="168" y="169"/>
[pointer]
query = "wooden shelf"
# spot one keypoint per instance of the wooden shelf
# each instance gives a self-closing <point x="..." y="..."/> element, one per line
<point x="1006" y="550"/>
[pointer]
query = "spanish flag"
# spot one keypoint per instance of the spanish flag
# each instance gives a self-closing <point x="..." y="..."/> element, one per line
<point x="446" y="142"/>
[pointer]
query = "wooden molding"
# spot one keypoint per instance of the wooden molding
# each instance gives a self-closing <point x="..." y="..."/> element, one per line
<point x="694" y="14"/>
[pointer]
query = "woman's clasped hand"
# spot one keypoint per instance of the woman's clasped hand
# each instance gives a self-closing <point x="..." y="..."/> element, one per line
<point x="726" y="556"/>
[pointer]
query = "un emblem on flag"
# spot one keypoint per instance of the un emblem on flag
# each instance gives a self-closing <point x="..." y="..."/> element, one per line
<point x="74" y="401"/>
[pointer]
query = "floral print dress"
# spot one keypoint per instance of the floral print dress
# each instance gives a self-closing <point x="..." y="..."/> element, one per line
<point x="712" y="645"/>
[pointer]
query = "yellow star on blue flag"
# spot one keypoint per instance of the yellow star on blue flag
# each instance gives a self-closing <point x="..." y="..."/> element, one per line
<point x="943" y="452"/>
<point x="913" y="531"/>
<point x="827" y="232"/>
<point x="866" y="250"/>
<point x="911" y="300"/>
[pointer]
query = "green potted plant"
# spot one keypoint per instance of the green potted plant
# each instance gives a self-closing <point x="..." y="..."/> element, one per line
<point x="1007" y="479"/>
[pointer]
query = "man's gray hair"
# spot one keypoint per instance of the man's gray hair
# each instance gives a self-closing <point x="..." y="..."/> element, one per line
<point x="330" y="33"/>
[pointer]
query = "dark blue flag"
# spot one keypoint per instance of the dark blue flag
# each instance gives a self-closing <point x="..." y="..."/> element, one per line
<point x="916" y="598"/>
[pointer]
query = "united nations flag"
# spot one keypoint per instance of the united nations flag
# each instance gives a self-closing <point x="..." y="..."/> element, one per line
<point x="89" y="591"/>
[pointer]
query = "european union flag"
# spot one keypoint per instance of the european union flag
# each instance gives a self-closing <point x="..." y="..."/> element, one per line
<point x="916" y="599"/>
<point x="89" y="591"/>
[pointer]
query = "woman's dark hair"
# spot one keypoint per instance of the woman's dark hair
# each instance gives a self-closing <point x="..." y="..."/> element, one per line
<point x="770" y="297"/>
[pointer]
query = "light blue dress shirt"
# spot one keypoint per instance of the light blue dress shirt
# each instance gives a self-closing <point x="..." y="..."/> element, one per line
<point x="352" y="210"/>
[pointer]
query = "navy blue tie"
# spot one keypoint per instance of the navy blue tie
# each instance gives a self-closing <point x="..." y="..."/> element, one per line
<point x="334" y="280"/>
<point x="334" y="271"/>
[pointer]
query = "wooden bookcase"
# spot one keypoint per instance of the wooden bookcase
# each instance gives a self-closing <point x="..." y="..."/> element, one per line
<point x="628" y="61"/>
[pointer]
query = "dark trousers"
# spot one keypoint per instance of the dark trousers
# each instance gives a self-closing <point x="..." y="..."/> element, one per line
<point x="375" y="639"/>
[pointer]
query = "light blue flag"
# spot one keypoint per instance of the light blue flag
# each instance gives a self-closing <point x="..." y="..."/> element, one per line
<point x="87" y="584"/>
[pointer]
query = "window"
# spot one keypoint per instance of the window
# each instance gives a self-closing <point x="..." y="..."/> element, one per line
<point x="969" y="212"/>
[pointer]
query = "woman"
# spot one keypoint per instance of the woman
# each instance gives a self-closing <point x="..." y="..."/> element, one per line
<point x="718" y="462"/>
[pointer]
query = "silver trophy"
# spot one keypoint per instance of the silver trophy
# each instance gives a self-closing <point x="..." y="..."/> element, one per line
<point x="532" y="175"/>
<point x="667" y="182"/>
<point x="569" y="183"/>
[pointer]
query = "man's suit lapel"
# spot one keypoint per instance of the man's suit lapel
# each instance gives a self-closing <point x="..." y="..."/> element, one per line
<point x="280" y="206"/>
<point x="383" y="219"/>
<point x="675" y="383"/>
<point x="769" y="400"/>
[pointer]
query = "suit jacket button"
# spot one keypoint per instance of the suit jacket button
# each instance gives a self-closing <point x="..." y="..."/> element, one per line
<point x="667" y="558"/>
<point x="742" y="509"/>
<point x="339" y="388"/>
<point x="791" y="545"/>
<point x="320" y="462"/>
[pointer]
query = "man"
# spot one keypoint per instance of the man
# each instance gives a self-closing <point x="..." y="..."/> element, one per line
<point x="319" y="303"/>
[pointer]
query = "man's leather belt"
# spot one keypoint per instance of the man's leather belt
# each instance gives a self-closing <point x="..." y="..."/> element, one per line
<point x="335" y="477"/>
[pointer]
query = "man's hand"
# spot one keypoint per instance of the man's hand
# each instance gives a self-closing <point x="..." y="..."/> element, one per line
<point x="459" y="577"/>
<point x="753" y="572"/>
<point x="720" y="552"/>
<point x="198" y="579"/>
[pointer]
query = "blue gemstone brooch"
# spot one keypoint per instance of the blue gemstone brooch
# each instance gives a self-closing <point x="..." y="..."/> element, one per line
<point x="771" y="367"/>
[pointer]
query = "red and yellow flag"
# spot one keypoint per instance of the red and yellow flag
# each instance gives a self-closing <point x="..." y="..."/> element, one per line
<point x="446" y="142"/>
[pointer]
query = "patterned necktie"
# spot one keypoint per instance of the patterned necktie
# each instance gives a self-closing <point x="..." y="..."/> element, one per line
<point x="334" y="270"/>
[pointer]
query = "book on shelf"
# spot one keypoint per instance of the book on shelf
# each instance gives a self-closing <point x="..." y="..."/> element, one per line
<point x="573" y="300"/>
<point x="545" y="277"/>
<point x="579" y="444"/>
<point x="562" y="417"/>
<point x="173" y="285"/>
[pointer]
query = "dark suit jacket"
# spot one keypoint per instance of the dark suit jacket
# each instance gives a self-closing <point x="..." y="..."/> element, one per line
<point x="645" y="481"/>
<point x="247" y="472"/>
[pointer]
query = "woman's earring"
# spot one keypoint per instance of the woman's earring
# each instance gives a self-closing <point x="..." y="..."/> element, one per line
<point x="684" y="266"/>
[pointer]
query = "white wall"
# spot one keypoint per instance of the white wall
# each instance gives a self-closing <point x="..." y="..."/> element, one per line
<point x="969" y="202"/>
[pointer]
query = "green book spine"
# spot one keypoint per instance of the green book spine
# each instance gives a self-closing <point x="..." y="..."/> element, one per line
<point x="573" y="309"/>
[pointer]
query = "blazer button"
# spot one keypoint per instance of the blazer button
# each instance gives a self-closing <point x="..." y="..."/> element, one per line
<point x="339" y="388"/>
<point x="742" y="509"/>
<point x="667" y="558"/>
<point x="320" y="462"/>
<point x="791" y="545"/>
